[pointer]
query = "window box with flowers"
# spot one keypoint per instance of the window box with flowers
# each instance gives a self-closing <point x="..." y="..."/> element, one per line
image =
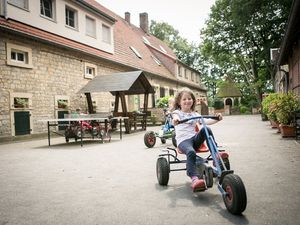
<point x="62" y="104"/>
<point x="21" y="103"/>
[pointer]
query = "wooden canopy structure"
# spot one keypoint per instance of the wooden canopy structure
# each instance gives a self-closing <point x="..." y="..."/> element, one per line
<point x="119" y="85"/>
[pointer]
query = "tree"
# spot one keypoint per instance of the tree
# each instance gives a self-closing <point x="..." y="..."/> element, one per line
<point x="186" y="52"/>
<point x="238" y="38"/>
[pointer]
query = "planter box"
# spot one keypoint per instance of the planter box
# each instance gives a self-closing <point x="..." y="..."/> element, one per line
<point x="287" y="131"/>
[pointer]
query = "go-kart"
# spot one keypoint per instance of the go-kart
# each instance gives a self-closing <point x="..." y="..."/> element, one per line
<point x="229" y="184"/>
<point x="83" y="129"/>
<point x="167" y="131"/>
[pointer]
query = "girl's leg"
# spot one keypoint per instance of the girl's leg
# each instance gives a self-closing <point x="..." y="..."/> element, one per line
<point x="187" y="148"/>
<point x="200" y="137"/>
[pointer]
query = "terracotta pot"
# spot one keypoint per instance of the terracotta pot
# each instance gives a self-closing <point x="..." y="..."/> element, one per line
<point x="274" y="124"/>
<point x="287" y="131"/>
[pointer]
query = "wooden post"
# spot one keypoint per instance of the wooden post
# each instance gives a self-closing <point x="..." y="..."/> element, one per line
<point x="89" y="102"/>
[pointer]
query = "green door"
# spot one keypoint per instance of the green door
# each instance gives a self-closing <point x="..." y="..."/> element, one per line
<point x="61" y="115"/>
<point x="22" y="122"/>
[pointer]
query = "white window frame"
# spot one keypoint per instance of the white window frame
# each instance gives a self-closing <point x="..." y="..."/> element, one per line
<point x="90" y="66"/>
<point x="93" y="24"/>
<point x="67" y="18"/>
<point x="106" y="34"/>
<point x="22" y="4"/>
<point x="43" y="14"/>
<point x="156" y="60"/>
<point x="136" y="52"/>
<point x="179" y="71"/>
<point x="18" y="49"/>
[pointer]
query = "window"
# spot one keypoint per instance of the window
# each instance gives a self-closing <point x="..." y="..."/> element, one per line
<point x="172" y="92"/>
<point x="162" y="92"/>
<point x="136" y="52"/>
<point x="164" y="50"/>
<point x="18" y="56"/>
<point x="156" y="60"/>
<point x="19" y="3"/>
<point x="146" y="41"/>
<point x="47" y="8"/>
<point x="106" y="36"/>
<point x="192" y="76"/>
<point x="90" y="26"/>
<point x="21" y="102"/>
<point x="185" y="73"/>
<point x="90" y="70"/>
<point x="71" y="17"/>
<point x="179" y="71"/>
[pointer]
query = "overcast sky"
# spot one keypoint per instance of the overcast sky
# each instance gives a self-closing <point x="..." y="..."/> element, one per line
<point x="188" y="17"/>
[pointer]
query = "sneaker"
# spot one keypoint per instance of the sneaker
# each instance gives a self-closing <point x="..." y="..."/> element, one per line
<point x="198" y="185"/>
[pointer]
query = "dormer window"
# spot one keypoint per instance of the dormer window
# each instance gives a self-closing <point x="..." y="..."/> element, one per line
<point x="164" y="50"/>
<point x="146" y="41"/>
<point x="136" y="52"/>
<point x="156" y="60"/>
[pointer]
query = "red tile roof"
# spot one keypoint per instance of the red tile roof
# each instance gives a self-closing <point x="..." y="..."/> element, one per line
<point x="125" y="35"/>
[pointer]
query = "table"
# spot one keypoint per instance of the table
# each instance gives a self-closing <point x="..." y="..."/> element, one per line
<point x="55" y="122"/>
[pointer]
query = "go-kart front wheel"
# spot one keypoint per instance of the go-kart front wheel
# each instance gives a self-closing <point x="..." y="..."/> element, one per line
<point x="174" y="142"/>
<point x="162" y="171"/>
<point x="149" y="139"/>
<point x="236" y="198"/>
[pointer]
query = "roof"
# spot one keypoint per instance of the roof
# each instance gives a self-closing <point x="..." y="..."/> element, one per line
<point x="292" y="33"/>
<point x="130" y="83"/>
<point x="125" y="35"/>
<point x="228" y="89"/>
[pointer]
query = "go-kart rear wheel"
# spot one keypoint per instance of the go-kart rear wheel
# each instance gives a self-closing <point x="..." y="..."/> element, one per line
<point x="236" y="198"/>
<point x="163" y="140"/>
<point x="149" y="139"/>
<point x="162" y="171"/>
<point x="174" y="142"/>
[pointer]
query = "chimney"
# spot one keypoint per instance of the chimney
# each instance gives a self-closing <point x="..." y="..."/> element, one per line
<point x="127" y="17"/>
<point x="144" y="24"/>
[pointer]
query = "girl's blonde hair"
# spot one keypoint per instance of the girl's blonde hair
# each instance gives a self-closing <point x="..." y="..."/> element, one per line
<point x="179" y="96"/>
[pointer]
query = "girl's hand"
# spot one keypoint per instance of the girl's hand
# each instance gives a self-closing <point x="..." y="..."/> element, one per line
<point x="175" y="119"/>
<point x="219" y="115"/>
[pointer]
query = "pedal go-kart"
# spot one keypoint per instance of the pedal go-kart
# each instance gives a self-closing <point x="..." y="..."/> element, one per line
<point x="83" y="129"/>
<point x="167" y="131"/>
<point x="229" y="184"/>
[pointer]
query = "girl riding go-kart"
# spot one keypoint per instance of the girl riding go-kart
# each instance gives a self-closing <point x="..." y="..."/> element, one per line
<point x="198" y="169"/>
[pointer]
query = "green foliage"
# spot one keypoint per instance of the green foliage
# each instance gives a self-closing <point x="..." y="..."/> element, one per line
<point x="244" y="109"/>
<point x="218" y="104"/>
<point x="269" y="105"/>
<point x="287" y="104"/>
<point x="238" y="38"/>
<point x="163" y="102"/>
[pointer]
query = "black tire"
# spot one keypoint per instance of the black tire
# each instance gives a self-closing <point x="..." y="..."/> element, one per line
<point x="209" y="177"/>
<point x="163" y="140"/>
<point x="162" y="171"/>
<point x="236" y="198"/>
<point x="149" y="139"/>
<point x="67" y="139"/>
<point x="226" y="163"/>
<point x="174" y="142"/>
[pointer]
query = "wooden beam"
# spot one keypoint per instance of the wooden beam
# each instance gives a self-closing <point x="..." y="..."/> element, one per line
<point x="89" y="102"/>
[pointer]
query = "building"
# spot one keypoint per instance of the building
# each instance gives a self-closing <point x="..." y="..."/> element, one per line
<point x="49" y="49"/>
<point x="287" y="76"/>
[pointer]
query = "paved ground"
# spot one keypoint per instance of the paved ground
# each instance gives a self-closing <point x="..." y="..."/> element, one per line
<point x="115" y="183"/>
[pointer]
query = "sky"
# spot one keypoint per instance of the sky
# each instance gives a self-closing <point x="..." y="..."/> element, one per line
<point x="188" y="17"/>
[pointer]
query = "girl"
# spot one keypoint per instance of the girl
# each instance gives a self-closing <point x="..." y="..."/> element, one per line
<point x="187" y="140"/>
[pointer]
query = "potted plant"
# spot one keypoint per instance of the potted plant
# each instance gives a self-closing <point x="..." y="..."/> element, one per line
<point x="269" y="108"/>
<point x="287" y="104"/>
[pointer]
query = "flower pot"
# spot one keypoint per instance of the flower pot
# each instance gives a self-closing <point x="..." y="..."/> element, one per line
<point x="287" y="131"/>
<point x="274" y="124"/>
